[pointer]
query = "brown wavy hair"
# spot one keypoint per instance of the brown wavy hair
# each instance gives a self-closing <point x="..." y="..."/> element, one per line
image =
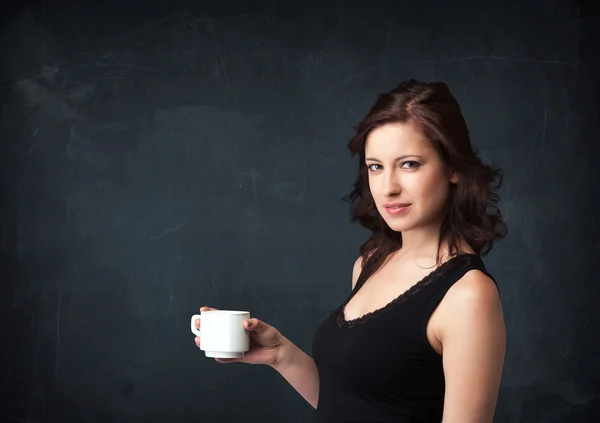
<point x="471" y="211"/>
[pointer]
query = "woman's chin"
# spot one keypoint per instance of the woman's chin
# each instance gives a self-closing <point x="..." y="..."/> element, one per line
<point x="397" y="226"/>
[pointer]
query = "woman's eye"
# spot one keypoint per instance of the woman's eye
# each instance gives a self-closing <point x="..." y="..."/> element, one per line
<point x="410" y="164"/>
<point x="374" y="167"/>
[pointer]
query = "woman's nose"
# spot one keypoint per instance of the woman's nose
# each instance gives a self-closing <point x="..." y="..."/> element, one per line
<point x="391" y="186"/>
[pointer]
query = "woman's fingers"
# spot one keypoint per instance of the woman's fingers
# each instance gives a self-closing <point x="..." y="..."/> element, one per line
<point x="229" y="360"/>
<point x="197" y="322"/>
<point x="203" y="308"/>
<point x="206" y="308"/>
<point x="255" y="325"/>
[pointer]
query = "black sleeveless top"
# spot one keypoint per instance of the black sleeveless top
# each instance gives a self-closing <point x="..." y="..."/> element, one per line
<point x="380" y="367"/>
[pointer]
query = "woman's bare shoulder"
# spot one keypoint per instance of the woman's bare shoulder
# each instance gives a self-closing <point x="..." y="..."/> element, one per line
<point x="356" y="269"/>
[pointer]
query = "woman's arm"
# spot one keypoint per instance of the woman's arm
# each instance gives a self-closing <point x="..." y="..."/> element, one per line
<point x="299" y="370"/>
<point x="473" y="348"/>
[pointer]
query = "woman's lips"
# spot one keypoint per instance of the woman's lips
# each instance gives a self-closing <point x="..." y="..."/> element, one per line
<point x="396" y="208"/>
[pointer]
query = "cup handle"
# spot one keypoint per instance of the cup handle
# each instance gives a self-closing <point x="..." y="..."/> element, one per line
<point x="195" y="331"/>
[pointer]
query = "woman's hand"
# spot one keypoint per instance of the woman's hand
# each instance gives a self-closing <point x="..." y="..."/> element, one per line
<point x="266" y="343"/>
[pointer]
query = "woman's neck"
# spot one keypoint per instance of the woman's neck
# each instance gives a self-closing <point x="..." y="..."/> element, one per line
<point x="422" y="244"/>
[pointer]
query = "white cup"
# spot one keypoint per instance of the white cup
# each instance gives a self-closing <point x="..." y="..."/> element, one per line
<point x="222" y="333"/>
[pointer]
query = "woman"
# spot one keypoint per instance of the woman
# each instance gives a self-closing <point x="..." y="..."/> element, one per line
<point x="421" y="337"/>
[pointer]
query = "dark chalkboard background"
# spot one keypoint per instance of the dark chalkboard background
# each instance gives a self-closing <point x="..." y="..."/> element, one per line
<point x="159" y="156"/>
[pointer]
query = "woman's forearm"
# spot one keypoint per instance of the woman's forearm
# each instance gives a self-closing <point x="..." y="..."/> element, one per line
<point x="300" y="371"/>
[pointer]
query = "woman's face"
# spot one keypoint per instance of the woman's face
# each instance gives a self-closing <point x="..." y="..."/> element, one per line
<point x="407" y="178"/>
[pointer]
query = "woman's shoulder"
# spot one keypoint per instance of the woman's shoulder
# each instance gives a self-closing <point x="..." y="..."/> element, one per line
<point x="475" y="292"/>
<point x="476" y="283"/>
<point x="358" y="266"/>
<point x="356" y="270"/>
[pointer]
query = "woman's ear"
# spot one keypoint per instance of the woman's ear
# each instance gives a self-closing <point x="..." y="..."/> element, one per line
<point x="454" y="178"/>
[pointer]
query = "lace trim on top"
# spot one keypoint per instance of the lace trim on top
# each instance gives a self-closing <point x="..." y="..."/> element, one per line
<point x="459" y="260"/>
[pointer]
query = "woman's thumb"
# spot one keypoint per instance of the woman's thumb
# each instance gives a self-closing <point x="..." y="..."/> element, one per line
<point x="256" y="325"/>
